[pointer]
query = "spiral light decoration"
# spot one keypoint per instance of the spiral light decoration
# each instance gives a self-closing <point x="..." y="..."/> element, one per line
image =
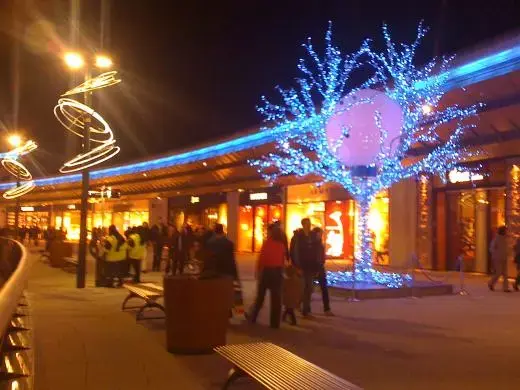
<point x="73" y="116"/>
<point x="18" y="170"/>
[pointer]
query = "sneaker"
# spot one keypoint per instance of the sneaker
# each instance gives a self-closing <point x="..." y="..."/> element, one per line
<point x="508" y="290"/>
<point x="308" y="316"/>
<point x="491" y="287"/>
<point x="329" y="313"/>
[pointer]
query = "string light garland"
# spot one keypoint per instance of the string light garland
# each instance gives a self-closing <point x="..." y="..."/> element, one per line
<point x="298" y="125"/>
<point x="18" y="170"/>
<point x="73" y="116"/>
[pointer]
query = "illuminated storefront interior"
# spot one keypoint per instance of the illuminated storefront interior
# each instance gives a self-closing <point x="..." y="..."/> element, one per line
<point x="469" y="210"/>
<point x="197" y="211"/>
<point x="338" y="219"/>
<point x="253" y="222"/>
<point x="28" y="217"/>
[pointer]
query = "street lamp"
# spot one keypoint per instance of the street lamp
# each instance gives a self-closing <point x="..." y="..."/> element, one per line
<point x="76" y="61"/>
<point x="14" y="140"/>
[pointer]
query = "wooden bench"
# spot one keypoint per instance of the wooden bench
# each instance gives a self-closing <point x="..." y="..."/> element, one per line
<point x="149" y="293"/>
<point x="278" y="369"/>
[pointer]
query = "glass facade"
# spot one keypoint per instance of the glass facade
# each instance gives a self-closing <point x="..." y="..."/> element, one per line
<point x="253" y="222"/>
<point x="338" y="219"/>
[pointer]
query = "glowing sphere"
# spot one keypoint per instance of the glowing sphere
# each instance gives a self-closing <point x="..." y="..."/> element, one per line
<point x="353" y="132"/>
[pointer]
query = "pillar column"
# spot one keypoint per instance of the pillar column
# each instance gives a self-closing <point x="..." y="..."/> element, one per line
<point x="403" y="222"/>
<point x="158" y="209"/>
<point x="481" y="231"/>
<point x="425" y="211"/>
<point x="233" y="205"/>
<point x="512" y="210"/>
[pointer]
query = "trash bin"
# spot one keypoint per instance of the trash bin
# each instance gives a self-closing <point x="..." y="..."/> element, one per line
<point x="58" y="250"/>
<point x="197" y="313"/>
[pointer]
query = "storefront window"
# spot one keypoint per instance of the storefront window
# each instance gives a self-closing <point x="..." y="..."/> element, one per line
<point x="245" y="222"/>
<point x="338" y="219"/>
<point x="296" y="212"/>
<point x="378" y="223"/>
<point x="30" y="218"/>
<point x="222" y="215"/>
<point x="253" y="223"/>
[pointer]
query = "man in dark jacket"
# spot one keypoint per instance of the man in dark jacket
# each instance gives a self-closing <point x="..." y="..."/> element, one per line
<point x="304" y="253"/>
<point x="221" y="259"/>
<point x="158" y="234"/>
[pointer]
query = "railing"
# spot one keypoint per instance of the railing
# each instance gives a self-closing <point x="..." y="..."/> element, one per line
<point x="16" y="364"/>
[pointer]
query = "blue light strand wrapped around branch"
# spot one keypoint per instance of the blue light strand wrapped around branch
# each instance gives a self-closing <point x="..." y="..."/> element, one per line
<point x="299" y="126"/>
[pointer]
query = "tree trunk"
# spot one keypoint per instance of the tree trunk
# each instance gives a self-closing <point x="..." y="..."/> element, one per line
<point x="363" y="258"/>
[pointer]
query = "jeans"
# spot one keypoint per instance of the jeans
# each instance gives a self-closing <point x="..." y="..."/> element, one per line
<point x="136" y="265"/>
<point x="308" y="286"/>
<point x="500" y="269"/>
<point x="270" y="279"/>
<point x="157" y="254"/>
<point x="322" y="280"/>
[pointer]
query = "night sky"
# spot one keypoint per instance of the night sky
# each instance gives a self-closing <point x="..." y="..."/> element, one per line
<point x="193" y="71"/>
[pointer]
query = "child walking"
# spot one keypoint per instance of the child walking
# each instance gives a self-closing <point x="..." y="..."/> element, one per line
<point x="292" y="293"/>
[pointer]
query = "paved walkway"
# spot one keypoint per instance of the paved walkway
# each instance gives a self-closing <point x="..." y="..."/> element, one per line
<point x="84" y="341"/>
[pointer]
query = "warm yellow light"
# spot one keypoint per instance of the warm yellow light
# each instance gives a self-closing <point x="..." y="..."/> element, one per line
<point x="15" y="140"/>
<point x="427" y="109"/>
<point x="74" y="60"/>
<point x="103" y="61"/>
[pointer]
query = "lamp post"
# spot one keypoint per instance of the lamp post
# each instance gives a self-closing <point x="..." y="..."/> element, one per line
<point x="16" y="141"/>
<point x="76" y="61"/>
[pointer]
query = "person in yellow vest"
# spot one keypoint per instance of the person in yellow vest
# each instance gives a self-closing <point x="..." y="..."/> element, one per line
<point x="136" y="251"/>
<point x="115" y="256"/>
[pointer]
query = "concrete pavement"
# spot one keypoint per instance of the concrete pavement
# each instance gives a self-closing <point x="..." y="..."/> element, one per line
<point x="84" y="341"/>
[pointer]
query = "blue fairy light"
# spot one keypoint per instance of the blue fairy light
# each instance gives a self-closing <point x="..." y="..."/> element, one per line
<point x="298" y="123"/>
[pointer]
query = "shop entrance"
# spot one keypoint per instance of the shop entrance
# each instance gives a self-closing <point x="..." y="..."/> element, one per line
<point x="472" y="218"/>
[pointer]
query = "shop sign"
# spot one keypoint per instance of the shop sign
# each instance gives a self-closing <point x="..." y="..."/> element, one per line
<point x="71" y="207"/>
<point x="27" y="208"/>
<point x="258" y="196"/>
<point x="314" y="193"/>
<point x="456" y="176"/>
<point x="194" y="199"/>
<point x="105" y="193"/>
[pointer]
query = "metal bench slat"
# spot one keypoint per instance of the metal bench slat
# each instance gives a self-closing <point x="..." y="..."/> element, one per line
<point x="289" y="368"/>
<point x="282" y="376"/>
<point x="308" y="367"/>
<point x="288" y="371"/>
<point x="142" y="293"/>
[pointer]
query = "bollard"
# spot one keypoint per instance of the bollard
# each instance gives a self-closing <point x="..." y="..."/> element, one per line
<point x="462" y="290"/>
<point x="413" y="262"/>
<point x="353" y="297"/>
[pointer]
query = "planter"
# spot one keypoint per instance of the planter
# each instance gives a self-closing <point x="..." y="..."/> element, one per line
<point x="197" y="313"/>
<point x="58" y="251"/>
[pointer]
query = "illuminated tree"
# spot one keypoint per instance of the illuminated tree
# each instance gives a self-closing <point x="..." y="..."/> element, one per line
<point x="324" y="91"/>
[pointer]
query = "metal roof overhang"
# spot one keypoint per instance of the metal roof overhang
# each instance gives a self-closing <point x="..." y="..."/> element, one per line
<point x="492" y="78"/>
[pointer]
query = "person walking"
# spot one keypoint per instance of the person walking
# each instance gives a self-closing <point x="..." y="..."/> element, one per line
<point x="304" y="251"/>
<point x="222" y="254"/>
<point x="158" y="235"/>
<point x="171" y="243"/>
<point x="516" y="248"/>
<point x="292" y="294"/>
<point x="498" y="249"/>
<point x="136" y="251"/>
<point x="115" y="256"/>
<point x="270" y="276"/>
<point x="322" y="273"/>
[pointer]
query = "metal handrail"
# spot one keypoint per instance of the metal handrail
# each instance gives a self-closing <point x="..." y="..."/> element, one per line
<point x="13" y="287"/>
